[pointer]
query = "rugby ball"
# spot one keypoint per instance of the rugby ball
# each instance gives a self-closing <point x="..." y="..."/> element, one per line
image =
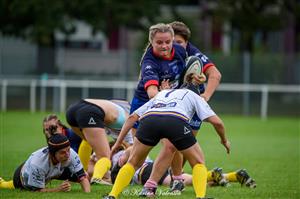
<point x="193" y="65"/>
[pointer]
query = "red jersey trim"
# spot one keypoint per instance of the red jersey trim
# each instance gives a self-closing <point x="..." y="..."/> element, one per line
<point x="207" y="66"/>
<point x="150" y="82"/>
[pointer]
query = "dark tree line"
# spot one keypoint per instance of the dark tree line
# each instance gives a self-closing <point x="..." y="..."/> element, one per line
<point x="37" y="20"/>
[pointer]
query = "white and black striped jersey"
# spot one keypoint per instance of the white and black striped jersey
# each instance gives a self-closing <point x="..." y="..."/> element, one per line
<point x="182" y="103"/>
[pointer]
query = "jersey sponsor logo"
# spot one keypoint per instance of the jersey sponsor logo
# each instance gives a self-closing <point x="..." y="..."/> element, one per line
<point x="195" y="122"/>
<point x="37" y="176"/>
<point x="148" y="67"/>
<point x="76" y="163"/>
<point x="204" y="58"/>
<point x="161" y="105"/>
<point x="186" y="131"/>
<point x="92" y="121"/>
<point x="175" y="69"/>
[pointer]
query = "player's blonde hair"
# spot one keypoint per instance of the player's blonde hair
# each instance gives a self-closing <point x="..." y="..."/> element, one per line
<point x="160" y="27"/>
<point x="157" y="28"/>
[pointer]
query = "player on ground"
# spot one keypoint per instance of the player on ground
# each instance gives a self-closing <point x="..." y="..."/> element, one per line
<point x="57" y="161"/>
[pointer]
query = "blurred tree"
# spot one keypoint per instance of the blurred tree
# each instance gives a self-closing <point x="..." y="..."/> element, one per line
<point x="34" y="20"/>
<point x="258" y="15"/>
<point x="249" y="17"/>
<point x="37" y="20"/>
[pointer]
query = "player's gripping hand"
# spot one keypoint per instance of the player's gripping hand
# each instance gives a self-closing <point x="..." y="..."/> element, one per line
<point x="65" y="186"/>
<point x="196" y="79"/>
<point x="165" y="84"/>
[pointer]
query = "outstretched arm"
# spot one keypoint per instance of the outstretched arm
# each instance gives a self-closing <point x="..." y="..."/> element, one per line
<point x="125" y="129"/>
<point x="220" y="129"/>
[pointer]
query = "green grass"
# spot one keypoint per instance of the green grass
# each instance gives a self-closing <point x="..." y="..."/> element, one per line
<point x="269" y="150"/>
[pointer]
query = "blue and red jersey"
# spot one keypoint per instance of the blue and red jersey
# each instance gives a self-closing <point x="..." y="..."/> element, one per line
<point x="155" y="69"/>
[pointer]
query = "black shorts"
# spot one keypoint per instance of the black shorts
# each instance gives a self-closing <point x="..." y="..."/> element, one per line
<point x="84" y="114"/>
<point x="17" y="178"/>
<point x="145" y="173"/>
<point x="152" y="128"/>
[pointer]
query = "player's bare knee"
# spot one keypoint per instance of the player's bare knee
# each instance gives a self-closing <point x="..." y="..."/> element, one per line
<point x="169" y="148"/>
<point x="196" y="161"/>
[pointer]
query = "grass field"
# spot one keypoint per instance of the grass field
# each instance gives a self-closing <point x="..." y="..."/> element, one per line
<point x="269" y="150"/>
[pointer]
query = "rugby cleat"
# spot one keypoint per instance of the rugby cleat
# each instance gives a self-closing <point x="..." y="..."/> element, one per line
<point x="99" y="181"/>
<point x="218" y="177"/>
<point x="244" y="179"/>
<point x="177" y="186"/>
<point x="148" y="192"/>
<point x="108" y="197"/>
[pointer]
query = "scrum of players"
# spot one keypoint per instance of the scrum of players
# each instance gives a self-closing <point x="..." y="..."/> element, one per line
<point x="108" y="141"/>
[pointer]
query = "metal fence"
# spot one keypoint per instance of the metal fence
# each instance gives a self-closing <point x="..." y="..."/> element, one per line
<point x="37" y="91"/>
